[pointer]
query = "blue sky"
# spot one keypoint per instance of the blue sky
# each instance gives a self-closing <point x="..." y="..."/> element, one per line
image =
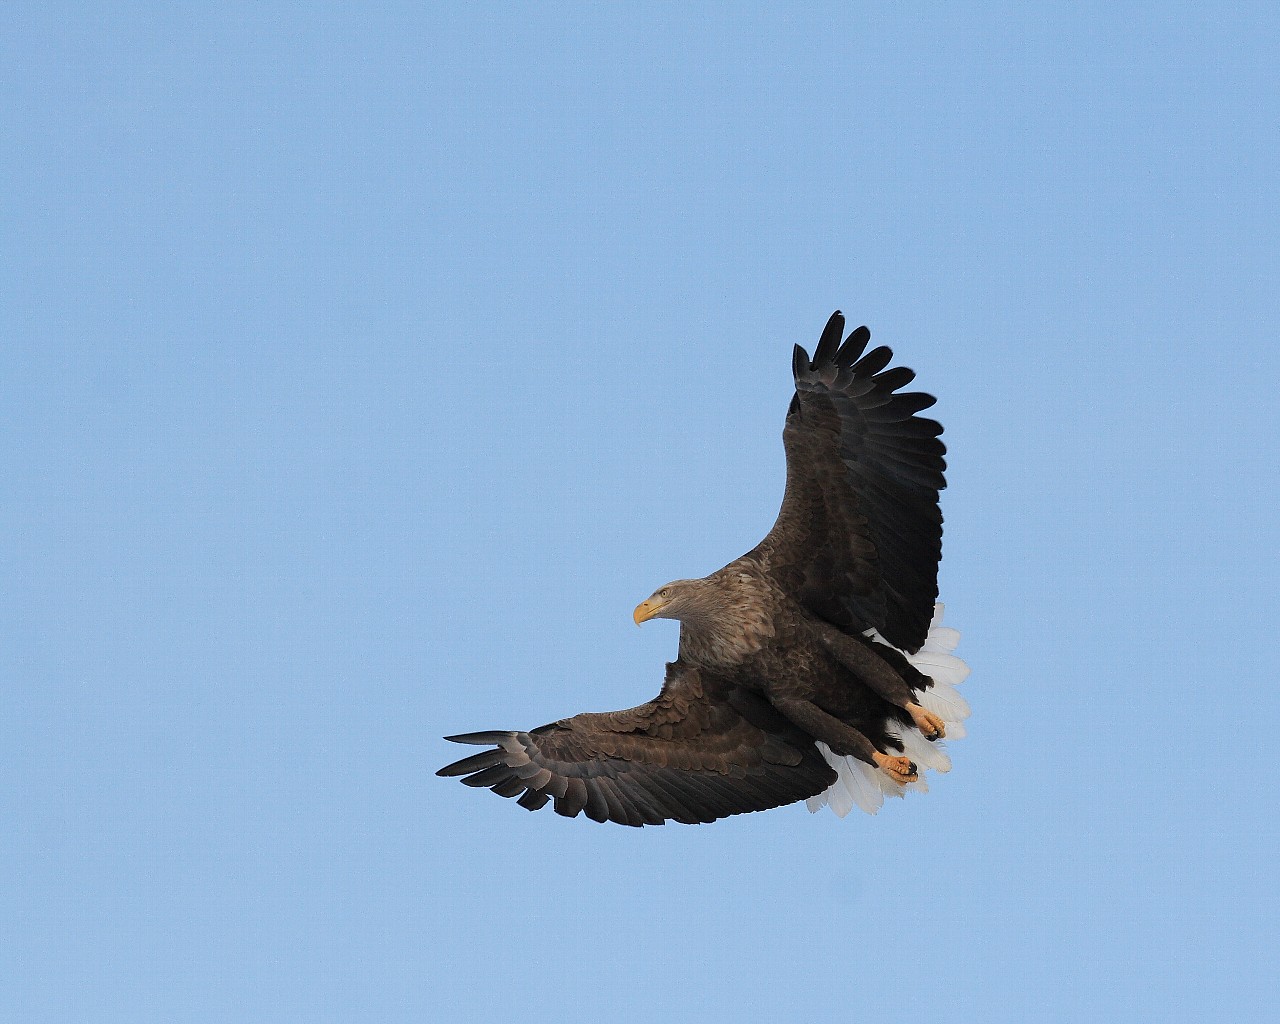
<point x="362" y="367"/>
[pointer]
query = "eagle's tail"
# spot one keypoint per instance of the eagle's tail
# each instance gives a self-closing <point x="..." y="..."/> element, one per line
<point x="861" y="785"/>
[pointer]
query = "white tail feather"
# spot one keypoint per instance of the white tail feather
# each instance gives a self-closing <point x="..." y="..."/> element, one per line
<point x="858" y="783"/>
<point x="839" y="799"/>
<point x="941" y="668"/>
<point x="924" y="753"/>
<point x="942" y="639"/>
<point x="860" y="779"/>
<point x="945" y="702"/>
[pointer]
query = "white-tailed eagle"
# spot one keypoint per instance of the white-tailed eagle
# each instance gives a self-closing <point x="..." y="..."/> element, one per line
<point x="812" y="668"/>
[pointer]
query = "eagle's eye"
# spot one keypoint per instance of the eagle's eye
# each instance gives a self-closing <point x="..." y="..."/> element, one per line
<point x="664" y="592"/>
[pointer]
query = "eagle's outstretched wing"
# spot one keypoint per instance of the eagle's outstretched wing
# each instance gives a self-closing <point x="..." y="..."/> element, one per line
<point x="704" y="748"/>
<point x="859" y="535"/>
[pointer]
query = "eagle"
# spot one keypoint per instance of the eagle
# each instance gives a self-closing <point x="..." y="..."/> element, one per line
<point x="815" y="667"/>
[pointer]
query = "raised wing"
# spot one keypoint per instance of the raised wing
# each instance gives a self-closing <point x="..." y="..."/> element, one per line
<point x="860" y="533"/>
<point x="703" y="749"/>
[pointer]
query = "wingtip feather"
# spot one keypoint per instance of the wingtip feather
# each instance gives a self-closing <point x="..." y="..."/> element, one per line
<point x="800" y="365"/>
<point x="829" y="342"/>
<point x="480" y="738"/>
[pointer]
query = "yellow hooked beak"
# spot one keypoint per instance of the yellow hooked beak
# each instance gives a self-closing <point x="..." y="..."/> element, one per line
<point x="647" y="610"/>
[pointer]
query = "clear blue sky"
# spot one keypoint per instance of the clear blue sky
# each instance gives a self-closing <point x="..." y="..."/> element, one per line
<point x="361" y="368"/>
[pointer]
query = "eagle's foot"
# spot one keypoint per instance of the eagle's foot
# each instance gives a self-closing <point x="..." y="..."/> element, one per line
<point x="927" y="722"/>
<point x="901" y="769"/>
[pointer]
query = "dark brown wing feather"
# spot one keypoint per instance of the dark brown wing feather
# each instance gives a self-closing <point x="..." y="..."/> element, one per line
<point x="860" y="533"/>
<point x="704" y="748"/>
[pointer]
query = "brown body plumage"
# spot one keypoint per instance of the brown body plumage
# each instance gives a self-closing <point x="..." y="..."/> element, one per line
<point x="785" y="664"/>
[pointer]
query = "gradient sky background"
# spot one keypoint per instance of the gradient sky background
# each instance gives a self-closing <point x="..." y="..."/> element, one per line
<point x="362" y="366"/>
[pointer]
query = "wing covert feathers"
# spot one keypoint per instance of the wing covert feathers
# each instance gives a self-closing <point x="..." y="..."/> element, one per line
<point x="703" y="749"/>
<point x="859" y="534"/>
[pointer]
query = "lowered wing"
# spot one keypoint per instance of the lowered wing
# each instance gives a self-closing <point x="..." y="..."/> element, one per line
<point x="703" y="749"/>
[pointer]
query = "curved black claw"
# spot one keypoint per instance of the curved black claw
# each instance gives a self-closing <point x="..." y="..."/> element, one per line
<point x="913" y="769"/>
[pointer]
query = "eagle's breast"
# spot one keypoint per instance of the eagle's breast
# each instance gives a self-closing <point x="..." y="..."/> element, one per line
<point x="738" y="618"/>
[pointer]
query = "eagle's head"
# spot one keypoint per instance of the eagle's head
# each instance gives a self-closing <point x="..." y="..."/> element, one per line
<point x="680" y="599"/>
